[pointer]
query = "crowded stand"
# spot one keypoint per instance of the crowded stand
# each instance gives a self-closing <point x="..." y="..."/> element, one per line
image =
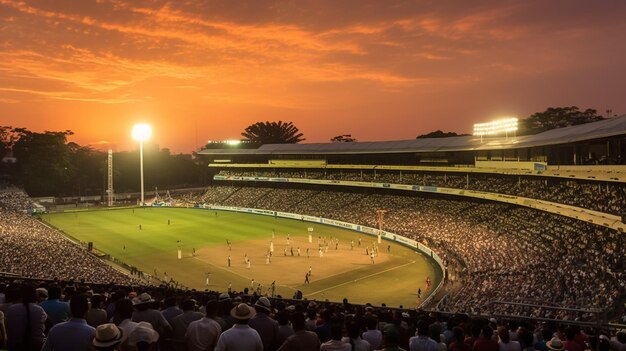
<point x="12" y="199"/>
<point x="31" y="249"/>
<point x="599" y="196"/>
<point x="518" y="256"/>
<point x="496" y="245"/>
<point x="119" y="317"/>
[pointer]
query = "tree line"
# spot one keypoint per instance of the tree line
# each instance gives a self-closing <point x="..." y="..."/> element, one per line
<point x="46" y="164"/>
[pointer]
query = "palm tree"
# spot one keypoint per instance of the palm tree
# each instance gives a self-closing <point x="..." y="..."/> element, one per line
<point x="273" y="133"/>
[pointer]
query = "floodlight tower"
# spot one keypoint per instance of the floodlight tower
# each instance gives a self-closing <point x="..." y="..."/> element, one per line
<point x="141" y="132"/>
<point x="110" y="179"/>
<point x="380" y="218"/>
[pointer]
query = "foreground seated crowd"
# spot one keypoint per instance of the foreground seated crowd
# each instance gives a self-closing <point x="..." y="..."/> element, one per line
<point x="547" y="259"/>
<point x="70" y="316"/>
<point x="599" y="196"/>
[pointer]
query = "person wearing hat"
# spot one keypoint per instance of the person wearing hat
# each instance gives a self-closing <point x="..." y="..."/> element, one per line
<point x="555" y="344"/>
<point x="202" y="334"/>
<point x="240" y="337"/>
<point x="145" y="313"/>
<point x="143" y="337"/>
<point x="74" y="334"/>
<point x="108" y="337"/>
<point x="264" y="324"/>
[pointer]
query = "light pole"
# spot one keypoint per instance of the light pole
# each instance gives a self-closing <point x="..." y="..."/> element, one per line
<point x="141" y="132"/>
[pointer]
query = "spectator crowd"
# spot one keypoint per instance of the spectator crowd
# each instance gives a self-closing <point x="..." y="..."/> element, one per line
<point x="599" y="196"/>
<point x="74" y="316"/>
<point x="549" y="259"/>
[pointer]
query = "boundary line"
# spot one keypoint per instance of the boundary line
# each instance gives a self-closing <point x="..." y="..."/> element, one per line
<point x="364" y="277"/>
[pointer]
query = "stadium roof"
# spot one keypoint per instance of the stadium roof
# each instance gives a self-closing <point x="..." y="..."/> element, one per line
<point x="589" y="131"/>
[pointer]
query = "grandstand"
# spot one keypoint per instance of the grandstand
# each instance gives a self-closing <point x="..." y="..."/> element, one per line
<point x="568" y="180"/>
<point x="531" y="229"/>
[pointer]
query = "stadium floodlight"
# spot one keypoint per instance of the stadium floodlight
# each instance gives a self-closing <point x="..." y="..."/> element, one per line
<point x="141" y="133"/>
<point x="504" y="125"/>
<point x="233" y="142"/>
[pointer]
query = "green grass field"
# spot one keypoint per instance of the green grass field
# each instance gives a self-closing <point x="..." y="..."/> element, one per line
<point x="343" y="272"/>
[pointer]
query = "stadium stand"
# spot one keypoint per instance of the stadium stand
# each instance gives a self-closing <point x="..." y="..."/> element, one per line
<point x="497" y="246"/>
<point x="33" y="250"/>
<point x="598" y="196"/>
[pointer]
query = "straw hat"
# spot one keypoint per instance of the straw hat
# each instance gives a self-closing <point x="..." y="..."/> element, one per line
<point x="143" y="332"/>
<point x="242" y="312"/>
<point x="555" y="344"/>
<point x="264" y="303"/>
<point x="143" y="298"/>
<point x="107" y="335"/>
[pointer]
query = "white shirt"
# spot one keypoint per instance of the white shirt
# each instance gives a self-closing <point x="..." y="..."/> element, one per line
<point x="202" y="334"/>
<point x="239" y="338"/>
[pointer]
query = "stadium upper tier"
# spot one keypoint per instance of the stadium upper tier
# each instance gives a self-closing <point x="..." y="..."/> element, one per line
<point x="596" y="143"/>
<point x="607" y="198"/>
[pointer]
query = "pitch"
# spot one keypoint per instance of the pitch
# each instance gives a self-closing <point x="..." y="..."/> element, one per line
<point x="149" y="239"/>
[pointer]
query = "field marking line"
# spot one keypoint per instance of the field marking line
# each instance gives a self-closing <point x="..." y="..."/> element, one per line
<point x="364" y="277"/>
<point x="221" y="268"/>
<point x="237" y="274"/>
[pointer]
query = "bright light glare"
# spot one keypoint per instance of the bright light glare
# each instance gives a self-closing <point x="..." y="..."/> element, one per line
<point x="233" y="142"/>
<point x="142" y="131"/>
<point x="496" y="127"/>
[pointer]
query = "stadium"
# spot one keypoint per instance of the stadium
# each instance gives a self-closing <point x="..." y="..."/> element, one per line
<point x="475" y="231"/>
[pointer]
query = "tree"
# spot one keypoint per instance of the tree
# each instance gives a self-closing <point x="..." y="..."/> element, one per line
<point x="273" y="133"/>
<point x="557" y="117"/>
<point x="344" y="138"/>
<point x="8" y="137"/>
<point x="43" y="161"/>
<point x="440" y="134"/>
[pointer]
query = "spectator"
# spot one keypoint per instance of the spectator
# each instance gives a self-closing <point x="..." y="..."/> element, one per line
<point x="284" y="329"/>
<point x="422" y="342"/>
<point x="58" y="311"/>
<point x="264" y="324"/>
<point x="108" y="337"/>
<point x="485" y="342"/>
<point x="354" y="339"/>
<point x="145" y="313"/>
<point x="25" y="322"/>
<point x="390" y="339"/>
<point x="335" y="343"/>
<point x="372" y="335"/>
<point x="96" y="315"/>
<point x="240" y="337"/>
<point x="143" y="337"/>
<point x="302" y="339"/>
<point x="122" y="318"/>
<point x="181" y="322"/>
<point x="74" y="334"/>
<point x="202" y="334"/>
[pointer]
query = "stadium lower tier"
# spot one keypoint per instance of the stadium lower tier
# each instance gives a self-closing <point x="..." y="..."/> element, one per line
<point x="503" y="252"/>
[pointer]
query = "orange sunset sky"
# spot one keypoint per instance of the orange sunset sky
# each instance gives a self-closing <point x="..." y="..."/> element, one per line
<point x="379" y="70"/>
